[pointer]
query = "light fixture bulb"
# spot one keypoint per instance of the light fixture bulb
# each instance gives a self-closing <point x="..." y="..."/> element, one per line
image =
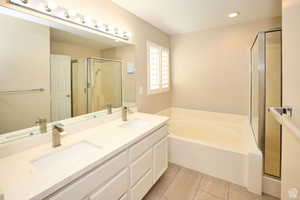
<point x="98" y="24"/>
<point x="116" y="31"/>
<point x="52" y="5"/>
<point x="79" y="20"/>
<point x="106" y="27"/>
<point x="129" y="34"/>
<point x="233" y="14"/>
<point x="24" y="1"/>
<point x="87" y="20"/>
<point x="111" y="29"/>
<point x="71" y="13"/>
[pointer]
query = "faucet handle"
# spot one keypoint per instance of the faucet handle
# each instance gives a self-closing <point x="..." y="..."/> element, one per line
<point x="38" y="121"/>
<point x="59" y="127"/>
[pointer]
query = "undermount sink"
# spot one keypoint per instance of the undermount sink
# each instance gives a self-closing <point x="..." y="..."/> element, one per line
<point x="65" y="160"/>
<point x="136" y="123"/>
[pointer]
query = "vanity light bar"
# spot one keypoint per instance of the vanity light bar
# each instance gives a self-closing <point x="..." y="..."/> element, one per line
<point x="51" y="8"/>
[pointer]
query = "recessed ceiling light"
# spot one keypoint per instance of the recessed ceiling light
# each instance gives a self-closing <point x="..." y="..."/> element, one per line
<point x="233" y="14"/>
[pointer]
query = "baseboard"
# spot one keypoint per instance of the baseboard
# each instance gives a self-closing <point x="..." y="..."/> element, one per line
<point x="272" y="186"/>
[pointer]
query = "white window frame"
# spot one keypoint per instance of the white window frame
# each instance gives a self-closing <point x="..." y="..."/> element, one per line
<point x="160" y="89"/>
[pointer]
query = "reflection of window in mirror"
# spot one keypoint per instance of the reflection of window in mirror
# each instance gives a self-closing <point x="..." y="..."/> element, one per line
<point x="158" y="68"/>
<point x="63" y="74"/>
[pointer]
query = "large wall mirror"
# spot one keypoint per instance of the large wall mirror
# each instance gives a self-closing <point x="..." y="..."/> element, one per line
<point x="53" y="74"/>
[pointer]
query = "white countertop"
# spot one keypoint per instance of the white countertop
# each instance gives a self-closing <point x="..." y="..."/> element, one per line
<point x="20" y="180"/>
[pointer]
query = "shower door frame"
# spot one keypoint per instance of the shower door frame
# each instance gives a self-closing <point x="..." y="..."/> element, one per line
<point x="261" y="39"/>
<point x="89" y="79"/>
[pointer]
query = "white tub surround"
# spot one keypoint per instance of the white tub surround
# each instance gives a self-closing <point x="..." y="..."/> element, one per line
<point x="124" y="159"/>
<point x="217" y="144"/>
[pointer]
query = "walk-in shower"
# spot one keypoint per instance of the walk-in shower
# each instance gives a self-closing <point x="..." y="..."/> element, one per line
<point x="266" y="91"/>
<point x="96" y="82"/>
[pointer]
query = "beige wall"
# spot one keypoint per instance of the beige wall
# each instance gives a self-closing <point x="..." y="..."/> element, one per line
<point x="210" y="69"/>
<point x="142" y="31"/>
<point x="126" y="55"/>
<point x="291" y="95"/>
<point x="24" y="64"/>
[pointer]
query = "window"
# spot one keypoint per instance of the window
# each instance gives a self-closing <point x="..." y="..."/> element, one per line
<point x="158" y="68"/>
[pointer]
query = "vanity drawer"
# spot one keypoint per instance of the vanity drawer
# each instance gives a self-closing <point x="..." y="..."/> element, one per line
<point x="95" y="179"/>
<point x="115" y="189"/>
<point x="138" y="149"/>
<point x="142" y="187"/>
<point x="140" y="167"/>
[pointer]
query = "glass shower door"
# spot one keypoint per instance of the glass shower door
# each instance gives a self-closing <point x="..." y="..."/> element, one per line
<point x="104" y="84"/>
<point x="266" y="92"/>
<point x="255" y="89"/>
<point x="258" y="89"/>
<point x="273" y="99"/>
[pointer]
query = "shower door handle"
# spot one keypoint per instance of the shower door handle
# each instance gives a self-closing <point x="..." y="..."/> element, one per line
<point x="286" y="110"/>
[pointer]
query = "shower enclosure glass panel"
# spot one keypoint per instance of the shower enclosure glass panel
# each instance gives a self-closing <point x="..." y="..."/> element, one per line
<point x="255" y="90"/>
<point x="104" y="84"/>
<point x="266" y="92"/>
<point x="273" y="99"/>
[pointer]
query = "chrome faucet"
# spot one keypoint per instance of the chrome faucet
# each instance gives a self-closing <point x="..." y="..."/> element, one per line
<point x="56" y="134"/>
<point x="109" y="109"/>
<point x="42" y="122"/>
<point x="124" y="113"/>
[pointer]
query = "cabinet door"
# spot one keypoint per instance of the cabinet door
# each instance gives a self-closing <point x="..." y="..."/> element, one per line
<point x="160" y="158"/>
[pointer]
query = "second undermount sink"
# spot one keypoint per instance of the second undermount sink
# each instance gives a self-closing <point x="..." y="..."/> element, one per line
<point x="67" y="159"/>
<point x="136" y="123"/>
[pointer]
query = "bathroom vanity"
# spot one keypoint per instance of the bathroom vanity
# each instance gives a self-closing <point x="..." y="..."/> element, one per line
<point x="115" y="160"/>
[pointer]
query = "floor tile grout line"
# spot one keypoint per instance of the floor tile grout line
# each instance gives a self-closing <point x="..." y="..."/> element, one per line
<point x="180" y="168"/>
<point x="228" y="191"/>
<point x="198" y="186"/>
<point x="163" y="195"/>
<point x="215" y="196"/>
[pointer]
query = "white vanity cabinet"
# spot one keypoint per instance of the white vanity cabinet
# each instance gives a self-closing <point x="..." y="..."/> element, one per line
<point x="127" y="176"/>
<point x="85" y="185"/>
<point x="145" y="160"/>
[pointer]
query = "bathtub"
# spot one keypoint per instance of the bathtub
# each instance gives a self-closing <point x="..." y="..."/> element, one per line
<point x="217" y="144"/>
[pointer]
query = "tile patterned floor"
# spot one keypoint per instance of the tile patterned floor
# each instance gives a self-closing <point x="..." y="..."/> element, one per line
<point x="179" y="183"/>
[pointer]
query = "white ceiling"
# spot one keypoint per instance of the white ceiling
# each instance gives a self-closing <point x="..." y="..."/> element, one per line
<point x="181" y="16"/>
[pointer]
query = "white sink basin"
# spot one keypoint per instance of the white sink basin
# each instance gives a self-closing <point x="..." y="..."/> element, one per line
<point x="136" y="124"/>
<point x="67" y="159"/>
